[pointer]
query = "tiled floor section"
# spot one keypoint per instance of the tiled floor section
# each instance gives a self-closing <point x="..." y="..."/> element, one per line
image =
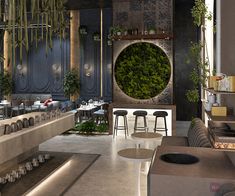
<point x="110" y="175"/>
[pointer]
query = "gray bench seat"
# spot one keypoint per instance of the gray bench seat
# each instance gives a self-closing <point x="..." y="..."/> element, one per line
<point x="197" y="136"/>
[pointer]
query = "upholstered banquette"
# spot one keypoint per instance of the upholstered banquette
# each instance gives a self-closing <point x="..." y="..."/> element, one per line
<point x="197" y="136"/>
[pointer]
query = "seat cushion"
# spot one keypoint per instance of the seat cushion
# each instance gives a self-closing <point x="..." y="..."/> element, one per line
<point x="160" y="113"/>
<point x="140" y="113"/>
<point x="120" y="112"/>
<point x="174" y="141"/>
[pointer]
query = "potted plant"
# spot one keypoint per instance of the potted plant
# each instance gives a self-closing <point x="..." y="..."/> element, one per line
<point x="83" y="30"/>
<point x="96" y="36"/>
<point x="6" y="84"/>
<point x="71" y="84"/>
<point x="151" y="30"/>
<point x="116" y="30"/>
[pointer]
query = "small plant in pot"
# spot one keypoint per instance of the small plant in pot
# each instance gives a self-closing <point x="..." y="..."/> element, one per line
<point x="151" y="30"/>
<point x="116" y="31"/>
<point x="83" y="30"/>
<point x="72" y="84"/>
<point x="96" y="36"/>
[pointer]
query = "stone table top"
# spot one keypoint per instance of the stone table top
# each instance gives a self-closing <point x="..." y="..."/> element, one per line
<point x="146" y="135"/>
<point x="136" y="154"/>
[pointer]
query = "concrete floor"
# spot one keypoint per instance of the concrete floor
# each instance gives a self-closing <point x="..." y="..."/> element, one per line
<point x="110" y="175"/>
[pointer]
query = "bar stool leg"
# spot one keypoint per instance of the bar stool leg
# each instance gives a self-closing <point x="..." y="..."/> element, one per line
<point x="165" y="125"/>
<point x="145" y="124"/>
<point x="155" y="126"/>
<point x="125" y="125"/>
<point x="135" y="124"/>
<point x="115" y="125"/>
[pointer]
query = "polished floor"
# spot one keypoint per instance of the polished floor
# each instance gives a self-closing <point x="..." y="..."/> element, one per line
<point x="110" y="175"/>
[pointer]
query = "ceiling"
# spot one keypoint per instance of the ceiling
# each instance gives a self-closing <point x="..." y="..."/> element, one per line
<point x="87" y="4"/>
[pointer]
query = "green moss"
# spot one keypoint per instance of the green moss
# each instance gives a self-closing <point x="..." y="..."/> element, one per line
<point x="142" y="70"/>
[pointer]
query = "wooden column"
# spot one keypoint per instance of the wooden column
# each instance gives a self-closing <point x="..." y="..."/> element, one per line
<point x="7" y="53"/>
<point x="74" y="43"/>
<point x="74" y="40"/>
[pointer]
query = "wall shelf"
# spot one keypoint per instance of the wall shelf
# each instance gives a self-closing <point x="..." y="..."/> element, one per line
<point x="223" y="119"/>
<point x="219" y="92"/>
<point x="143" y="37"/>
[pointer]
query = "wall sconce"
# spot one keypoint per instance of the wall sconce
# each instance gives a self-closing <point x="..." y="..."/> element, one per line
<point x="87" y="69"/>
<point x="20" y="69"/>
<point x="56" y="68"/>
<point x="109" y="67"/>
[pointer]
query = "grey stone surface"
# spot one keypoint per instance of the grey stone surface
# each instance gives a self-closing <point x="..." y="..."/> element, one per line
<point x="16" y="143"/>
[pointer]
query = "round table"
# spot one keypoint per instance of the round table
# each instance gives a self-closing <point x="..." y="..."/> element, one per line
<point x="137" y="155"/>
<point x="146" y="136"/>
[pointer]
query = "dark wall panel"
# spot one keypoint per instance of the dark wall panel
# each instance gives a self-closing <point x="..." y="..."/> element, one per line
<point x="184" y="33"/>
<point x="90" y="55"/>
<point x="37" y="74"/>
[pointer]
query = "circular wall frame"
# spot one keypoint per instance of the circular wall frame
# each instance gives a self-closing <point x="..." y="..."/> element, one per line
<point x="142" y="72"/>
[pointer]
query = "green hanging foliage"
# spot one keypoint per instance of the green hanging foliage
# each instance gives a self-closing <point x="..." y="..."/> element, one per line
<point x="49" y="16"/>
<point x="200" y="13"/>
<point x="142" y="70"/>
<point x="199" y="74"/>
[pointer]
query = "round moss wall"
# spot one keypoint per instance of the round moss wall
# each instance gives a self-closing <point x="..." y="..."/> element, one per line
<point x="142" y="70"/>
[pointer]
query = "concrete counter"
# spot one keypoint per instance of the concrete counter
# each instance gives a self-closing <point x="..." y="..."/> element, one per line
<point x="18" y="143"/>
<point x="202" y="178"/>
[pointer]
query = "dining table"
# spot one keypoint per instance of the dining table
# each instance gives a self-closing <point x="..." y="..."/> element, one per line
<point x="86" y="111"/>
<point x="5" y="104"/>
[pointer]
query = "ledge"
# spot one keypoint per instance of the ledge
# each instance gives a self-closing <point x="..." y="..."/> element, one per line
<point x="140" y="37"/>
<point x="17" y="143"/>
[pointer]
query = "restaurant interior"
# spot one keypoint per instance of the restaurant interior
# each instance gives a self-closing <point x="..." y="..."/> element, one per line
<point x="117" y="97"/>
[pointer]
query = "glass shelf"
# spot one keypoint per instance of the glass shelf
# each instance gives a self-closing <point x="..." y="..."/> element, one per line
<point x="223" y="119"/>
<point x="219" y="92"/>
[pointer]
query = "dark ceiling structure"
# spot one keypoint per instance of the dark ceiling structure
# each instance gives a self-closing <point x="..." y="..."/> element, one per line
<point x="88" y="4"/>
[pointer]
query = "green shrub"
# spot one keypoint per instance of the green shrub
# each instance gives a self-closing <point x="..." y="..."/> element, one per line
<point x="87" y="127"/>
<point x="90" y="127"/>
<point x="103" y="127"/>
<point x="142" y="70"/>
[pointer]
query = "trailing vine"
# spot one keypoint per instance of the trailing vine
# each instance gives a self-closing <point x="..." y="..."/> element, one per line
<point x="47" y="19"/>
<point x="199" y="75"/>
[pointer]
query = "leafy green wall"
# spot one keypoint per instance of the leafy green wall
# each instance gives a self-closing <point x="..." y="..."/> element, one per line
<point x="142" y="70"/>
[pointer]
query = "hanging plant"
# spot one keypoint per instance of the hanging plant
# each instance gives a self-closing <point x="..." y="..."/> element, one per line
<point x="83" y="30"/>
<point x="96" y="36"/>
<point x="48" y="18"/>
<point x="199" y="74"/>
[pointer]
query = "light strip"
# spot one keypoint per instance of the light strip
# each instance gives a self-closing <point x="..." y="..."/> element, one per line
<point x="52" y="177"/>
<point x="101" y="52"/>
<point x="218" y="43"/>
